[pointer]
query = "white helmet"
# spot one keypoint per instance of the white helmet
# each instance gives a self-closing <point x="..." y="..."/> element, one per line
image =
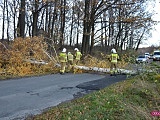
<point x="69" y="52"/>
<point x="76" y="49"/>
<point x="64" y="50"/>
<point x="113" y="50"/>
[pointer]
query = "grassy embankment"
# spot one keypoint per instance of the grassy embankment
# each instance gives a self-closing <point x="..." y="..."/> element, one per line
<point x="133" y="99"/>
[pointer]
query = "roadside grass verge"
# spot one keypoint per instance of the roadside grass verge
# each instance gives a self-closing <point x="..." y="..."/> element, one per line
<point x="133" y="99"/>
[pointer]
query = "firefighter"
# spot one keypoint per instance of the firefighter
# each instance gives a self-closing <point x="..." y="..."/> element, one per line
<point x="77" y="56"/>
<point x="114" y="58"/>
<point x="63" y="60"/>
<point x="70" y="61"/>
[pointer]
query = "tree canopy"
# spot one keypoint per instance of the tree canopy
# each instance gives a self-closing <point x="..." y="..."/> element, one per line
<point x="122" y="24"/>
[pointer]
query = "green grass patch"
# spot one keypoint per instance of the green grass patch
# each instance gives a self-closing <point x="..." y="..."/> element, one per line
<point x="132" y="99"/>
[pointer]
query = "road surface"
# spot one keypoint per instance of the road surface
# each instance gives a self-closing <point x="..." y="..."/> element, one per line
<point x="22" y="97"/>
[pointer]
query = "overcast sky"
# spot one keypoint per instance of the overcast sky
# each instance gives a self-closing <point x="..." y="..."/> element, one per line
<point x="155" y="39"/>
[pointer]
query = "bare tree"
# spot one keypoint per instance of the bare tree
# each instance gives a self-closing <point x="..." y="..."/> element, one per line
<point x="3" y="24"/>
<point x="122" y="22"/>
<point x="86" y="28"/>
<point x="62" y="14"/>
<point x="92" y="13"/>
<point x="21" y="20"/>
<point x="14" y="17"/>
<point x="54" y="18"/>
<point x="35" y="14"/>
<point x="72" y="24"/>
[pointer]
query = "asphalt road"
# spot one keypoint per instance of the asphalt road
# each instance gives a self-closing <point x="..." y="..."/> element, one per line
<point x="20" y="98"/>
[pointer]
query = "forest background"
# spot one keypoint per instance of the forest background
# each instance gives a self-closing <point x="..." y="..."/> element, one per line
<point x="39" y="29"/>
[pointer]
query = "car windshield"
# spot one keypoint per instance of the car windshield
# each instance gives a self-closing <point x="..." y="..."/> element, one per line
<point x="146" y="53"/>
<point x="142" y="56"/>
<point x="156" y="53"/>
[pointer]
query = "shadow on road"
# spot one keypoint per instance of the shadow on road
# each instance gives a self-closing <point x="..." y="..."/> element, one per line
<point x="99" y="84"/>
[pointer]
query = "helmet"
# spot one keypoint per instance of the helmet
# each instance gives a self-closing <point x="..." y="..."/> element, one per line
<point x="113" y="50"/>
<point x="76" y="49"/>
<point x="64" y="50"/>
<point x="69" y="52"/>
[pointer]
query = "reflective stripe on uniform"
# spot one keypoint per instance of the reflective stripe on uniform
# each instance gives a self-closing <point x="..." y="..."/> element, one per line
<point x="70" y="57"/>
<point x="78" y="55"/>
<point x="63" y="57"/>
<point x="114" y="58"/>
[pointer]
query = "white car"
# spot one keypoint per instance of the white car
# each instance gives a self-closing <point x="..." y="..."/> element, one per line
<point x="156" y="55"/>
<point x="146" y="54"/>
<point x="142" y="59"/>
